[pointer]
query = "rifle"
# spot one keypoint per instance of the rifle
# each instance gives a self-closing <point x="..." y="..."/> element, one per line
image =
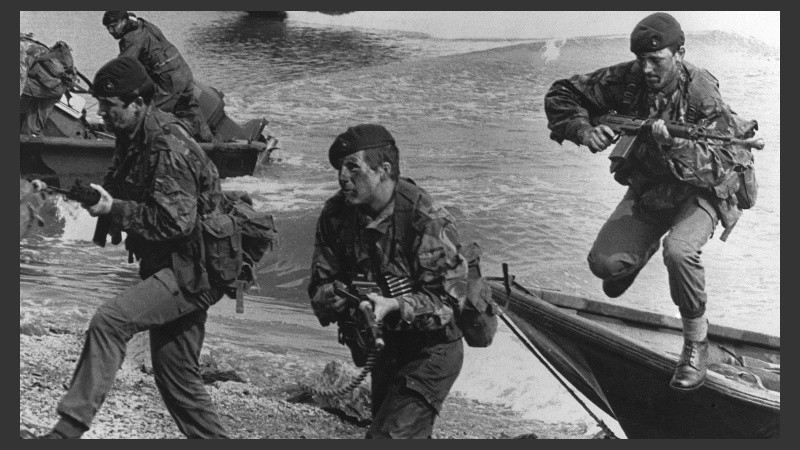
<point x="628" y="129"/>
<point x="88" y="196"/>
<point x="358" y="327"/>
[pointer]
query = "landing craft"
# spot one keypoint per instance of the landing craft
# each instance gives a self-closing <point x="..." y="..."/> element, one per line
<point x="70" y="147"/>
<point x="622" y="359"/>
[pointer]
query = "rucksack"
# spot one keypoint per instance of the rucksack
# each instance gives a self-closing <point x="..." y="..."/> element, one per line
<point x="235" y="239"/>
<point x="477" y="317"/>
<point x="51" y="72"/>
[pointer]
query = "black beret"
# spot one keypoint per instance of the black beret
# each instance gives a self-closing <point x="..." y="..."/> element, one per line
<point x="110" y="17"/>
<point x="120" y="77"/>
<point x="357" y="138"/>
<point x="656" y="31"/>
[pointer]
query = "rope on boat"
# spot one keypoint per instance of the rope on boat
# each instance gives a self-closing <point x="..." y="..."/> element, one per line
<point x="508" y="282"/>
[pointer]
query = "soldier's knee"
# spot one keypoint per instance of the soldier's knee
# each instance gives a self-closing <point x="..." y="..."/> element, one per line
<point x="608" y="267"/>
<point x="104" y="321"/>
<point x="679" y="253"/>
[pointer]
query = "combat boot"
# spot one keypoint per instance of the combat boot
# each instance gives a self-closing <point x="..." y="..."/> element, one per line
<point x="690" y="373"/>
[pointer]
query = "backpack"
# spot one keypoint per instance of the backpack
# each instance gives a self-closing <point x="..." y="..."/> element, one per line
<point x="235" y="239"/>
<point x="477" y="317"/>
<point x="51" y="72"/>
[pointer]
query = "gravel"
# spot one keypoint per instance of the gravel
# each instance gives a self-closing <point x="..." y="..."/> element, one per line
<point x="257" y="407"/>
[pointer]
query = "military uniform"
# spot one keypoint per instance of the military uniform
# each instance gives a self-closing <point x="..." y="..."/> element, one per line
<point x="161" y="181"/>
<point x="681" y="190"/>
<point x="424" y="351"/>
<point x="170" y="72"/>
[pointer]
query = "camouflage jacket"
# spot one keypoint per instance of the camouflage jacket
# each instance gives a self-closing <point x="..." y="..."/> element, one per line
<point x="162" y="182"/>
<point x="349" y="244"/>
<point x="664" y="177"/>
<point x="161" y="59"/>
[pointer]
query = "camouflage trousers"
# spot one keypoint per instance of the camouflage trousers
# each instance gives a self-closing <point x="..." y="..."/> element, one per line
<point x="410" y="381"/>
<point x="177" y="329"/>
<point x="631" y="236"/>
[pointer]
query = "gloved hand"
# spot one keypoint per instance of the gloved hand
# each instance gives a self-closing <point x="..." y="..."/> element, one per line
<point x="104" y="205"/>
<point x="326" y="304"/>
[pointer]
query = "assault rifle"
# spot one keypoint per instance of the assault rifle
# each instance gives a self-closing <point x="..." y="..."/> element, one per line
<point x="358" y="327"/>
<point x="628" y="129"/>
<point x="88" y="196"/>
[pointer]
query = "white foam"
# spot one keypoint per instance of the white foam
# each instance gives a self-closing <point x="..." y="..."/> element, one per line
<point x="507" y="373"/>
<point x="282" y="195"/>
<point x="78" y="224"/>
<point x="552" y="49"/>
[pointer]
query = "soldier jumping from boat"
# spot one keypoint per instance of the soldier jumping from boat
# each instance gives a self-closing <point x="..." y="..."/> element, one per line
<point x="678" y="188"/>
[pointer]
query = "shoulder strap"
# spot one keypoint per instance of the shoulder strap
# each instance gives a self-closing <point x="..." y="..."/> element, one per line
<point x="405" y="203"/>
<point x="693" y="95"/>
<point x="633" y="90"/>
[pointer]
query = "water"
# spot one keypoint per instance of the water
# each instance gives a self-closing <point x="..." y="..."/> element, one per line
<point x="468" y="117"/>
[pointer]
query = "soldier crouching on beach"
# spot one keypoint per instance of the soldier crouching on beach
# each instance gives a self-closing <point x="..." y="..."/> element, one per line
<point x="158" y="186"/>
<point x="358" y="239"/>
<point x="679" y="188"/>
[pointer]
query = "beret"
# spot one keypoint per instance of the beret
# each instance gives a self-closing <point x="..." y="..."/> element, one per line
<point x="357" y="138"/>
<point x="120" y="77"/>
<point x="656" y="31"/>
<point x="110" y="17"/>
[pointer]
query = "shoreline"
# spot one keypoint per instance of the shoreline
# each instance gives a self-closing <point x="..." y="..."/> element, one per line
<point x="274" y="347"/>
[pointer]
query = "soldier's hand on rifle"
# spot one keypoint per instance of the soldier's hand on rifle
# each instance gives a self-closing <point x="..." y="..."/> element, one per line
<point x="326" y="303"/>
<point x="103" y="206"/>
<point x="383" y="305"/>
<point x="598" y="138"/>
<point x="38" y="185"/>
<point x="661" y="133"/>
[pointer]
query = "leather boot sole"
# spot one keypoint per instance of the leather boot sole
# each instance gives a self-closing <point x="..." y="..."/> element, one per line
<point x="689" y="389"/>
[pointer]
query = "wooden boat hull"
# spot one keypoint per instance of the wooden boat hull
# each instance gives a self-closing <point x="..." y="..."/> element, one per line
<point x="622" y="359"/>
<point x="67" y="159"/>
<point x="70" y="148"/>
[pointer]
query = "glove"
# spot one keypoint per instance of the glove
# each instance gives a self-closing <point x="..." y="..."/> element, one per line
<point x="326" y="304"/>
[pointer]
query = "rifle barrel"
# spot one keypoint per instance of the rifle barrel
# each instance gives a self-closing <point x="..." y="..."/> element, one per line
<point x="630" y="124"/>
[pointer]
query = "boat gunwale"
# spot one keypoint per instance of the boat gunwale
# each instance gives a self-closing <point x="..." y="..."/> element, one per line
<point x="628" y="314"/>
<point x="617" y="342"/>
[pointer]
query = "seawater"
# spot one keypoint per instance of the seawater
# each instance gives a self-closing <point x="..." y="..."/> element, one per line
<point x="468" y="117"/>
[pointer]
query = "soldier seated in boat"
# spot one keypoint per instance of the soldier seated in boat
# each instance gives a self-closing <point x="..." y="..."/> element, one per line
<point x="165" y="65"/>
<point x="419" y="268"/>
<point x="679" y="189"/>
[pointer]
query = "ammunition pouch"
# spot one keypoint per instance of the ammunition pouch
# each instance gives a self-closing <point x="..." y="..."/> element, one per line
<point x="477" y="317"/>
<point x="222" y="245"/>
<point x="748" y="187"/>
